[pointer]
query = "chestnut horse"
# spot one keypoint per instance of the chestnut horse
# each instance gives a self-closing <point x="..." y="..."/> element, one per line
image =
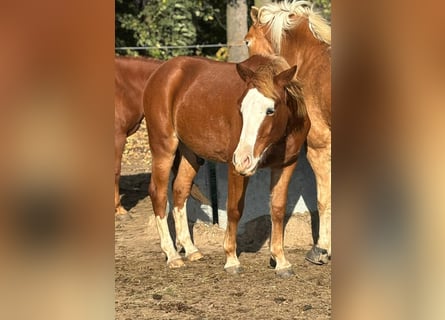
<point x="130" y="76"/>
<point x="300" y="35"/>
<point x="248" y="115"/>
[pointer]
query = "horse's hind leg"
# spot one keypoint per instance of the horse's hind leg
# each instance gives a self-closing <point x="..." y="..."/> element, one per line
<point x="163" y="154"/>
<point x="119" y="144"/>
<point x="279" y="185"/>
<point x="188" y="167"/>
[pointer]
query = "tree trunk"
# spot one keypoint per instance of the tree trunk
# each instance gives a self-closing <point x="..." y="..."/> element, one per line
<point x="236" y="30"/>
<point x="260" y="3"/>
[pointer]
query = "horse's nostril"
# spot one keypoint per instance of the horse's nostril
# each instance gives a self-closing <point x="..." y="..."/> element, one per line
<point x="242" y="162"/>
<point x="246" y="162"/>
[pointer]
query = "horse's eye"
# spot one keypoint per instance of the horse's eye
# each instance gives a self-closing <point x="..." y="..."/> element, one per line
<point x="270" y="111"/>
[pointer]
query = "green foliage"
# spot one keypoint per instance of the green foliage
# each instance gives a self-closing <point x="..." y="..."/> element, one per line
<point x="159" y="23"/>
<point x="210" y="24"/>
<point x="123" y="36"/>
<point x="324" y="6"/>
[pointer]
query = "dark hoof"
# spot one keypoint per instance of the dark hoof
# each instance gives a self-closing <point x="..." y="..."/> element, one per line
<point x="285" y="273"/>
<point x="123" y="217"/>
<point x="317" y="255"/>
<point x="272" y="263"/>
<point x="234" y="270"/>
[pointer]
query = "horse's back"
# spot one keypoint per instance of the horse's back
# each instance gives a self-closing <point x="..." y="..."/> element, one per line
<point x="191" y="83"/>
<point x="190" y="70"/>
<point x="130" y="76"/>
<point x="131" y="73"/>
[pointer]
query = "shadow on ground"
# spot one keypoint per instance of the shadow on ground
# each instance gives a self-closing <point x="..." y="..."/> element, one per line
<point x="133" y="188"/>
<point x="255" y="233"/>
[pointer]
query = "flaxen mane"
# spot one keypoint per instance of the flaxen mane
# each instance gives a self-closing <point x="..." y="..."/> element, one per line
<point x="281" y="17"/>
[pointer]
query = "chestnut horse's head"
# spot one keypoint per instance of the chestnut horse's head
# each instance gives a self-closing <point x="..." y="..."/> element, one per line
<point x="271" y="105"/>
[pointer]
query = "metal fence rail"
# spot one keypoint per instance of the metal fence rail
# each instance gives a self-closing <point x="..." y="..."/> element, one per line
<point x="193" y="46"/>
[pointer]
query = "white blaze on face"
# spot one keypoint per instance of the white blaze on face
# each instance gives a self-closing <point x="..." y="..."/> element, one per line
<point x="253" y="109"/>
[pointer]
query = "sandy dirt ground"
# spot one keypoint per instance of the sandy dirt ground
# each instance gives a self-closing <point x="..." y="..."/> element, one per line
<point x="146" y="289"/>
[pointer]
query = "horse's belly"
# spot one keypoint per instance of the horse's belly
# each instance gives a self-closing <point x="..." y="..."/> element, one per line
<point x="206" y="147"/>
<point x="211" y="130"/>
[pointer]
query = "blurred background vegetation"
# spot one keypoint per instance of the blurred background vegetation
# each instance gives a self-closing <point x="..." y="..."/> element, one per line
<point x="179" y="23"/>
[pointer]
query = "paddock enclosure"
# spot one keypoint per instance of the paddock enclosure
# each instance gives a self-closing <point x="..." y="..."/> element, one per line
<point x="146" y="289"/>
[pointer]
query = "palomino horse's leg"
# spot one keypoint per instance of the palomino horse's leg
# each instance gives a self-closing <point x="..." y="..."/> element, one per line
<point x="162" y="161"/>
<point x="188" y="167"/>
<point x="119" y="144"/>
<point x="279" y="184"/>
<point x="320" y="160"/>
<point x="235" y="204"/>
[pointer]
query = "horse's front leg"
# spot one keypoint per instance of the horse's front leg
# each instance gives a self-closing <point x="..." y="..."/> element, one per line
<point x="320" y="160"/>
<point x="235" y="204"/>
<point x="279" y="185"/>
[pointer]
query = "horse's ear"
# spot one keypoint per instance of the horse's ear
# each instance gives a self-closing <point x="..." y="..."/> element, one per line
<point x="244" y="72"/>
<point x="254" y="14"/>
<point x="285" y="76"/>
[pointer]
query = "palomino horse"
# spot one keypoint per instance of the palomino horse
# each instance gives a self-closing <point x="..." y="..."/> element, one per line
<point x="294" y="31"/>
<point x="130" y="76"/>
<point x="248" y="115"/>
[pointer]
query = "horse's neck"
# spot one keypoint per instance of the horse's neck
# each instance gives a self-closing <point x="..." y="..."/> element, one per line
<point x="146" y="65"/>
<point x="313" y="60"/>
<point x="301" y="48"/>
<point x="139" y="66"/>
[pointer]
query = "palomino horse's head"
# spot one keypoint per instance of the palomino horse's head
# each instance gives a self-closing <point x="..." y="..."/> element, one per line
<point x="271" y="101"/>
<point x="273" y="22"/>
<point x="258" y="39"/>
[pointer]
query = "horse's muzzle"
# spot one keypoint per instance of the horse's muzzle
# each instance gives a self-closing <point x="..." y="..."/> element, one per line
<point x="245" y="165"/>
